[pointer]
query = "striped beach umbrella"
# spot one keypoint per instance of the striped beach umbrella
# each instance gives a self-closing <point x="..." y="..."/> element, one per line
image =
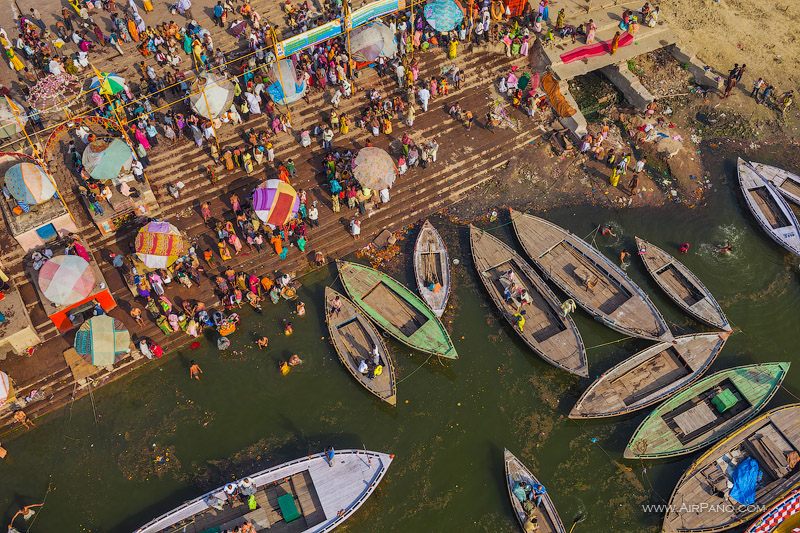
<point x="29" y="183"/>
<point x="218" y="93"/>
<point x="108" y="83"/>
<point x="102" y="340"/>
<point x="159" y="244"/>
<point x="275" y="202"/>
<point x="373" y="167"/>
<point x="66" y="279"/>
<point x="6" y="389"/>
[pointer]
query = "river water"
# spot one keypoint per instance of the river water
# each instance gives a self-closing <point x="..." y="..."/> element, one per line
<point x="150" y="441"/>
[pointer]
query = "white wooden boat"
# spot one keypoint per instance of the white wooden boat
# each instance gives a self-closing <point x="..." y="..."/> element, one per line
<point x="681" y="285"/>
<point x="787" y="183"/>
<point x="769" y="208"/>
<point x="304" y="495"/>
<point x="590" y="278"/>
<point x="545" y="515"/>
<point x="432" y="268"/>
<point x="353" y="336"/>
<point x="650" y="376"/>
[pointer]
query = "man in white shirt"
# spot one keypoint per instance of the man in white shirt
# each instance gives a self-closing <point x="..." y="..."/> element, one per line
<point x="424" y="96"/>
<point x="400" y="72"/>
<point x="313" y="215"/>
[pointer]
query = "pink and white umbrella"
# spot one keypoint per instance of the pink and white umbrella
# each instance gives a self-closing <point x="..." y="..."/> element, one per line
<point x="275" y="202"/>
<point x="66" y="279"/>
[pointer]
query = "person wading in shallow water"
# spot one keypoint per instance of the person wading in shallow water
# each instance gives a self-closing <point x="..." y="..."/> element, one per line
<point x="194" y="370"/>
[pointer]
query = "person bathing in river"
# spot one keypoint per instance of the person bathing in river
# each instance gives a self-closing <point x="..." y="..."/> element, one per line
<point x="726" y="249"/>
<point x="684" y="247"/>
<point x="263" y="342"/>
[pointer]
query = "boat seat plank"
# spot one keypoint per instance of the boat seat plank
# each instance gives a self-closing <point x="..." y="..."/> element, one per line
<point x="680" y="286"/>
<point x="394" y="309"/>
<point x="771" y="211"/>
<point x="695" y="418"/>
<point x="660" y="370"/>
<point x="259" y="518"/>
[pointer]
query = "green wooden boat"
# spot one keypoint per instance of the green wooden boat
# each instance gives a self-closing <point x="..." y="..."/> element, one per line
<point x="396" y="309"/>
<point x="706" y="412"/>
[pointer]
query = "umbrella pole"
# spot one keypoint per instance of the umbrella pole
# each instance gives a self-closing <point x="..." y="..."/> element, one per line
<point x="125" y="134"/>
<point x="38" y="157"/>
<point x="348" y="24"/>
<point x="208" y="107"/>
<point x="278" y="68"/>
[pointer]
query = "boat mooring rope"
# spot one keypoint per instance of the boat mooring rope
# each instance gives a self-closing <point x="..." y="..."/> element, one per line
<point x="412" y="372"/>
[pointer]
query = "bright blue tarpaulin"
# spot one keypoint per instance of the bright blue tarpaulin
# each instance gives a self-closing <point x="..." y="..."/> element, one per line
<point x="745" y="478"/>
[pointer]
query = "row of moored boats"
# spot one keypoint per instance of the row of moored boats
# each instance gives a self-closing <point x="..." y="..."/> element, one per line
<point x="754" y="459"/>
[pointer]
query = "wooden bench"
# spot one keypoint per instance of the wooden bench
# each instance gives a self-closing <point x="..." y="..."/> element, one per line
<point x="769" y="455"/>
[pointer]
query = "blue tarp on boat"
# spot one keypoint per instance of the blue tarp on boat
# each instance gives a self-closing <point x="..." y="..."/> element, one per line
<point x="745" y="478"/>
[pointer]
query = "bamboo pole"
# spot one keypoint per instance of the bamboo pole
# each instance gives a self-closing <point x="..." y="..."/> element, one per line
<point x="37" y="156"/>
<point x="274" y="36"/>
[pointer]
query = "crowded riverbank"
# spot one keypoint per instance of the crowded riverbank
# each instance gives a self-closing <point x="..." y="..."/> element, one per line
<point x="460" y="143"/>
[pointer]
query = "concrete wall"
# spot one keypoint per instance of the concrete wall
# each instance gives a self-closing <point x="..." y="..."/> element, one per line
<point x="577" y="122"/>
<point x="629" y="85"/>
<point x="702" y="73"/>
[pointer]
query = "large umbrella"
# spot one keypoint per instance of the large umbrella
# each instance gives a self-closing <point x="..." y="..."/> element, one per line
<point x="159" y="244"/>
<point x="374" y="168"/>
<point x="66" y="279"/>
<point x="372" y="41"/>
<point x="29" y="184"/>
<point x="6" y="389"/>
<point x="8" y="118"/>
<point x="443" y="15"/>
<point x="218" y="92"/>
<point x="102" y="340"/>
<point x="275" y="202"/>
<point x="108" y="83"/>
<point x="106" y="160"/>
<point x="285" y="88"/>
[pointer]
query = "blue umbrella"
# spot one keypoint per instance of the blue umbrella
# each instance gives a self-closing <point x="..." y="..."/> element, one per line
<point x="443" y="15"/>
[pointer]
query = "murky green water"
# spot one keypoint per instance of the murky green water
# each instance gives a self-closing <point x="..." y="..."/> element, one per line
<point x="452" y="420"/>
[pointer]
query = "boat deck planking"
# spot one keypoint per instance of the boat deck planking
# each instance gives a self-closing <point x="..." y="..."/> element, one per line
<point x="590" y="278"/>
<point x="553" y="337"/>
<point x="768" y="440"/>
<point x="546" y="514"/>
<point x="353" y="337"/>
<point x="681" y="285"/>
<point x="432" y="266"/>
<point x="649" y="376"/>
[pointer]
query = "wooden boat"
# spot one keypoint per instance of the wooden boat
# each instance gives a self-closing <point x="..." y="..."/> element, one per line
<point x="787" y="183"/>
<point x="783" y="517"/>
<point x="354" y="337"/>
<point x="432" y="268"/>
<point x="704" y="413"/>
<point x="545" y="514"/>
<point x="395" y="309"/>
<point x="649" y="376"/>
<point x="769" y="208"/>
<point x="590" y="278"/>
<point x="681" y="285"/>
<point x="302" y="495"/>
<point x="772" y="441"/>
<point x="553" y="337"/>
